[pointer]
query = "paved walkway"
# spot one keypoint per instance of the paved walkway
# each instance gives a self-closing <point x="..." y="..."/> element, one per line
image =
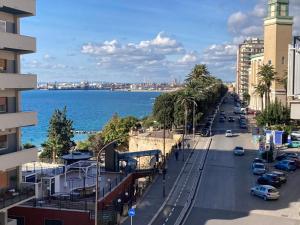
<point x="152" y="200"/>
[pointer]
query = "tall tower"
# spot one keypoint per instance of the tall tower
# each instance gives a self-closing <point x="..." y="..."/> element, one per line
<point x="278" y="35"/>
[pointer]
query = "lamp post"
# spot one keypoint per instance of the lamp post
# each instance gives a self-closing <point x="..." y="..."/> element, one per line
<point x="194" y="119"/>
<point x="97" y="177"/>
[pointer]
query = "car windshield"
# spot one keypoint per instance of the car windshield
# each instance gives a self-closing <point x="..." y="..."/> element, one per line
<point x="272" y="190"/>
<point x="259" y="166"/>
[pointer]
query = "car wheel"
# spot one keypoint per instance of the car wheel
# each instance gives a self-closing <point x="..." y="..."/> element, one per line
<point x="265" y="198"/>
<point x="252" y="193"/>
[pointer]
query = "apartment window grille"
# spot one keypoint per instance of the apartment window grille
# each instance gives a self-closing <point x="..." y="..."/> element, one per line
<point x="2" y="26"/>
<point x="3" y="65"/>
<point x="3" y="142"/>
<point x="3" y="104"/>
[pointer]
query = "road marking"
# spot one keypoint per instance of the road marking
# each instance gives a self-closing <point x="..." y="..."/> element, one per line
<point x="173" y="209"/>
<point x="167" y="219"/>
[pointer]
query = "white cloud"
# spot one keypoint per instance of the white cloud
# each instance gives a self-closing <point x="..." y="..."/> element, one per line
<point x="160" y="56"/>
<point x="236" y="21"/>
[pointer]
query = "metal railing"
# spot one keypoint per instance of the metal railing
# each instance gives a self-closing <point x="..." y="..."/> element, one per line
<point x="12" y="196"/>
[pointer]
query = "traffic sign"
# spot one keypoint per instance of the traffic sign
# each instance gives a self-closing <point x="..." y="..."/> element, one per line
<point x="131" y="212"/>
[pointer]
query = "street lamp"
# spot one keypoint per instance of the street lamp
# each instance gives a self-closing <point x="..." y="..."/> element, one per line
<point x="97" y="177"/>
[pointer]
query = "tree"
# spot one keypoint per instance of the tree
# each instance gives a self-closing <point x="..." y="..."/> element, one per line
<point x="199" y="71"/>
<point x="260" y="89"/>
<point x="163" y="109"/>
<point x="60" y="134"/>
<point x="267" y="76"/>
<point x="118" y="129"/>
<point x="274" y="114"/>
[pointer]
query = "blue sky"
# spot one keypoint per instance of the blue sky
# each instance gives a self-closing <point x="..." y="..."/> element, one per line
<point x="135" y="41"/>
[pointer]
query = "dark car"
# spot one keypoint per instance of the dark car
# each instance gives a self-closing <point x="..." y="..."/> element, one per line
<point x="243" y="126"/>
<point x="280" y="175"/>
<point x="230" y="119"/>
<point x="286" y="165"/>
<point x="221" y="119"/>
<point x="268" y="179"/>
<point x="258" y="160"/>
<point x="287" y="155"/>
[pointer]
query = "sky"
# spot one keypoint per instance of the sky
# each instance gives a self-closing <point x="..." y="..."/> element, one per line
<point x="140" y="41"/>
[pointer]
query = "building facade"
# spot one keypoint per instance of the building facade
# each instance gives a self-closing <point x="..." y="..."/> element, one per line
<point x="256" y="101"/>
<point x="12" y="118"/>
<point x="294" y="78"/>
<point x="247" y="49"/>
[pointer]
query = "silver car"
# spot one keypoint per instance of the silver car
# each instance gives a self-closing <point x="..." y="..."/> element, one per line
<point x="266" y="192"/>
<point x="258" y="168"/>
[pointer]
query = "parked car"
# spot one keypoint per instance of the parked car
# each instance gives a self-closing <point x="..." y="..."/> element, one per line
<point x="242" y="117"/>
<point x="296" y="135"/>
<point x="287" y="155"/>
<point x="266" y="192"/>
<point x="269" y="179"/>
<point x="258" y="160"/>
<point x="243" y="126"/>
<point x="280" y="175"/>
<point x="286" y="165"/>
<point x="258" y="168"/>
<point x="294" y="144"/>
<point x="228" y="133"/>
<point x="230" y="119"/>
<point x="238" y="151"/>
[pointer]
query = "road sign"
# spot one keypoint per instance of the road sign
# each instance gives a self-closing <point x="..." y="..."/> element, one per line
<point x="131" y="212"/>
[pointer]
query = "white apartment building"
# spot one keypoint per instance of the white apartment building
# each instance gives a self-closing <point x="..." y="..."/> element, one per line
<point x="12" y="118"/>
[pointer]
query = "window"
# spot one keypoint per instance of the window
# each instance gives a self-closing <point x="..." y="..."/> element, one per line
<point x="270" y="62"/>
<point x="282" y="60"/>
<point x="3" y="142"/>
<point x="3" y="105"/>
<point x="2" y="26"/>
<point x="3" y="65"/>
<point x="53" y="222"/>
<point x="283" y="10"/>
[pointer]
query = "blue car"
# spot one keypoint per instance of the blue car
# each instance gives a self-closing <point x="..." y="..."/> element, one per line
<point x="286" y="165"/>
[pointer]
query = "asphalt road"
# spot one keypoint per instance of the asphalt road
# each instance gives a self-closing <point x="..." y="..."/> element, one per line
<point x="174" y="205"/>
<point x="224" y="196"/>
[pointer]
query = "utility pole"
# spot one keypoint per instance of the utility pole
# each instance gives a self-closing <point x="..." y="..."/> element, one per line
<point x="194" y="120"/>
<point x="165" y="161"/>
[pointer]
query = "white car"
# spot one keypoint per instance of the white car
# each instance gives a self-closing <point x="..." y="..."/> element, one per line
<point x="228" y="133"/>
<point x="266" y="192"/>
<point x="239" y="151"/>
<point x="296" y="134"/>
<point x="258" y="168"/>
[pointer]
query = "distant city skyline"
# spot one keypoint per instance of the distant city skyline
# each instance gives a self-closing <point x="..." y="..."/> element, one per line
<point x="131" y="42"/>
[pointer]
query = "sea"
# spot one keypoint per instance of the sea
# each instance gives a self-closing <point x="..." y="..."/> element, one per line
<point x="90" y="110"/>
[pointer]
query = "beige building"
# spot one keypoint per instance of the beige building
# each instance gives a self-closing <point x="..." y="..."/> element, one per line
<point x="250" y="47"/>
<point x="12" y="118"/>
<point x="277" y="37"/>
<point x="256" y="102"/>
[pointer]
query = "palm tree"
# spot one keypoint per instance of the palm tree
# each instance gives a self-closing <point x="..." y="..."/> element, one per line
<point x="260" y="89"/>
<point x="199" y="71"/>
<point x="185" y="99"/>
<point x="267" y="76"/>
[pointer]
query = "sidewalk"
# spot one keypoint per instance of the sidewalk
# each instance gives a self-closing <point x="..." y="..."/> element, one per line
<point x="152" y="200"/>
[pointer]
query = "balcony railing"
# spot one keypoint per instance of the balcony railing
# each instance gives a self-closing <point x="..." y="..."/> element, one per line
<point x="12" y="196"/>
<point x="19" y="119"/>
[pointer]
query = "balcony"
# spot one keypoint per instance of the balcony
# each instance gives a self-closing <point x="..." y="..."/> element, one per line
<point x="17" y="158"/>
<point x="17" y="81"/>
<point x="18" y="7"/>
<point x="19" y="119"/>
<point x="17" y="43"/>
<point x="16" y="196"/>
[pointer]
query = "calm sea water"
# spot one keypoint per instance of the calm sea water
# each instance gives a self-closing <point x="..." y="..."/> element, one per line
<point x="90" y="110"/>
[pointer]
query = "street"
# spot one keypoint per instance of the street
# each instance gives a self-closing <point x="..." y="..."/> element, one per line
<point x="223" y="196"/>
